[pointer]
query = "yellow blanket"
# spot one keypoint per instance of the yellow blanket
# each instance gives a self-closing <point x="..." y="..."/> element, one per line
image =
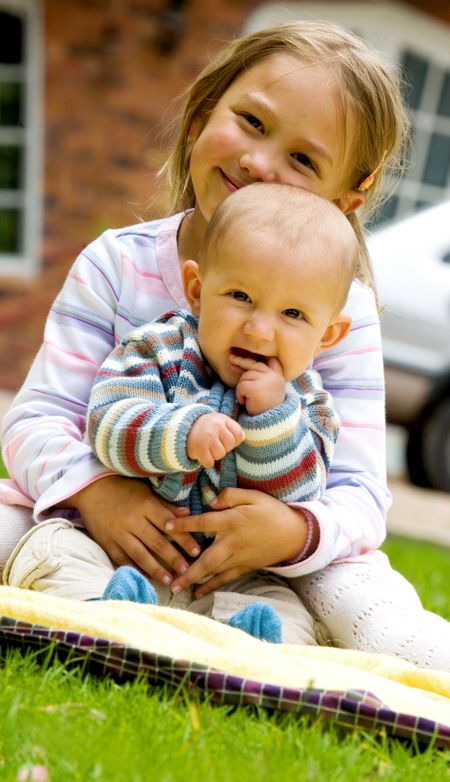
<point x="183" y="636"/>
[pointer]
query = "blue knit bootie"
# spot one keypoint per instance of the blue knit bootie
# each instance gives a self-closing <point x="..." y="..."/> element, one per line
<point x="128" y="584"/>
<point x="259" y="620"/>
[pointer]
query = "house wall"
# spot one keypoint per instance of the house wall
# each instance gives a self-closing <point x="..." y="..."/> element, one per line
<point x="112" y="71"/>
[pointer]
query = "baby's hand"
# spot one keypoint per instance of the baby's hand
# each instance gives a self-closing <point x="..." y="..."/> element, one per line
<point x="261" y="386"/>
<point x="211" y="437"/>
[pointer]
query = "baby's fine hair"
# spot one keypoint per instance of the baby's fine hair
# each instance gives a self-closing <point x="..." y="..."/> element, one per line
<point x="369" y="90"/>
<point x="295" y="217"/>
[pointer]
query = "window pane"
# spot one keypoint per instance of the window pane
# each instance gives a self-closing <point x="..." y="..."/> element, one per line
<point x="10" y="230"/>
<point x="444" y="99"/>
<point x="438" y="160"/>
<point x="423" y="205"/>
<point x="10" y="168"/>
<point x="415" y="69"/>
<point x="10" y="103"/>
<point x="11" y="39"/>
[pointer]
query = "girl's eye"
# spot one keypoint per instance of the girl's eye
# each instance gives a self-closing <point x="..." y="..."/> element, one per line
<point x="304" y="160"/>
<point x="240" y="296"/>
<point x="294" y="314"/>
<point x="253" y="121"/>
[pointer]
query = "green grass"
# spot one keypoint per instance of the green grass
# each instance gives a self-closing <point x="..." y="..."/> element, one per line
<point x="84" y="729"/>
<point x="425" y="565"/>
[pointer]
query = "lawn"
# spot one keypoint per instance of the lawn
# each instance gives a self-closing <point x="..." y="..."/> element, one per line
<point x="84" y="729"/>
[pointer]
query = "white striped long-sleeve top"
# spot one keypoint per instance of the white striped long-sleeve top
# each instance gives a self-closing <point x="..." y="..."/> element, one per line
<point x="129" y="276"/>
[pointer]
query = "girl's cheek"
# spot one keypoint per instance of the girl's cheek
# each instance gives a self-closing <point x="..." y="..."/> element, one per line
<point x="223" y="139"/>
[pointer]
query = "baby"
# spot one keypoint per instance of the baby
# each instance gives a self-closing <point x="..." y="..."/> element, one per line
<point x="223" y="396"/>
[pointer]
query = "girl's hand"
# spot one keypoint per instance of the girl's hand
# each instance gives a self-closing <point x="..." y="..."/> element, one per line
<point x="261" y="386"/>
<point x="127" y="520"/>
<point x="252" y="529"/>
<point x="211" y="437"/>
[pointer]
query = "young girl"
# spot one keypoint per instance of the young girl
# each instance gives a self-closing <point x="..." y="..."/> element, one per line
<point x="303" y="104"/>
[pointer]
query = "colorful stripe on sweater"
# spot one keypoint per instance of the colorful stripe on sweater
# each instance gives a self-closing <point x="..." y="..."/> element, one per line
<point x="155" y="384"/>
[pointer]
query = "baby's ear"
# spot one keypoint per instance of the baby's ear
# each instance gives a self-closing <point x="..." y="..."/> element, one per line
<point x="190" y="274"/>
<point x="334" y="333"/>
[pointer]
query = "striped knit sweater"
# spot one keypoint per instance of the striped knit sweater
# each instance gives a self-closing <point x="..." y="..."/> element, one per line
<point x="155" y="384"/>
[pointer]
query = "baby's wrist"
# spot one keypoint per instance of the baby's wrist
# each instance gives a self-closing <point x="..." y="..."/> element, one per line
<point x="259" y="407"/>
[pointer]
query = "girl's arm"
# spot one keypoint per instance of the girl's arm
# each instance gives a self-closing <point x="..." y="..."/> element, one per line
<point x="42" y="433"/>
<point x="43" y="436"/>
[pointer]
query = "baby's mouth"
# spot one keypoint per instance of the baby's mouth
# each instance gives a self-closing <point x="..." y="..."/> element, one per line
<point x="242" y="353"/>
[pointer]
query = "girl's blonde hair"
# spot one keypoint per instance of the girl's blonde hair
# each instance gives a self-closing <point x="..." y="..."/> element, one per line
<point x="370" y="92"/>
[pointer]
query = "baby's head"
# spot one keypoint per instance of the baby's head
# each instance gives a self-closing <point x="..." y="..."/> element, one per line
<point x="272" y="279"/>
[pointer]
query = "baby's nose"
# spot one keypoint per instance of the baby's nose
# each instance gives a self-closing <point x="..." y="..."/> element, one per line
<point x="259" y="327"/>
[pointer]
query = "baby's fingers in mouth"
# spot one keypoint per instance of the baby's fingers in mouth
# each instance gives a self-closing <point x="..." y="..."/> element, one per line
<point x="245" y="359"/>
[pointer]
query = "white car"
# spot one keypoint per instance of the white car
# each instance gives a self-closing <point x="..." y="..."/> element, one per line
<point x="411" y="260"/>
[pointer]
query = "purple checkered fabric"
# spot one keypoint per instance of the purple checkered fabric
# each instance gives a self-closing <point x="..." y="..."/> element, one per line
<point x="353" y="708"/>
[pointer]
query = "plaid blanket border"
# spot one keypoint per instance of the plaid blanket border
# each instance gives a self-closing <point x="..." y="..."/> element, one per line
<point x="100" y="656"/>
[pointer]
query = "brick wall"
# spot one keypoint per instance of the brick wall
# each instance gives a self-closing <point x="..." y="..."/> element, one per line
<point x="113" y="69"/>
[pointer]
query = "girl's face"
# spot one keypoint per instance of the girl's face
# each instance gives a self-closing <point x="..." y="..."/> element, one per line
<point x="281" y="121"/>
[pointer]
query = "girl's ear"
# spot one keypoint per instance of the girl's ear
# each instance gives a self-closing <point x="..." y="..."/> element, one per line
<point x="350" y="201"/>
<point x="190" y="274"/>
<point x="334" y="333"/>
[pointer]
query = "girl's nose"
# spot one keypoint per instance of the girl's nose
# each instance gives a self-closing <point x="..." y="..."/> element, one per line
<point x="259" y="327"/>
<point x="260" y="166"/>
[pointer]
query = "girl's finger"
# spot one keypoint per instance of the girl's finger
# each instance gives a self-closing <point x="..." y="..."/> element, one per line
<point x="206" y="522"/>
<point x="211" y="563"/>
<point x="140" y="557"/>
<point x="157" y="518"/>
<point x="218" y="581"/>
<point x="117" y="555"/>
<point x="149" y="544"/>
<point x="231" y="498"/>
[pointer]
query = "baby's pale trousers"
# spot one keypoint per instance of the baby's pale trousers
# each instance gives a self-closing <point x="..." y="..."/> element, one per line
<point x="355" y="604"/>
<point x="57" y="558"/>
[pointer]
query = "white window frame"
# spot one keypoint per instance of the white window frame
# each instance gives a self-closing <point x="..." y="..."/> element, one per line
<point x="391" y="28"/>
<point x="26" y="262"/>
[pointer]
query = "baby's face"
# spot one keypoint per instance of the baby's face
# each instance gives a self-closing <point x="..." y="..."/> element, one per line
<point x="260" y="300"/>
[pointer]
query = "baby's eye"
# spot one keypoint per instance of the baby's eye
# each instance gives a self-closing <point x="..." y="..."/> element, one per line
<point x="304" y="160"/>
<point x="240" y="296"/>
<point x="293" y="313"/>
<point x="253" y="121"/>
